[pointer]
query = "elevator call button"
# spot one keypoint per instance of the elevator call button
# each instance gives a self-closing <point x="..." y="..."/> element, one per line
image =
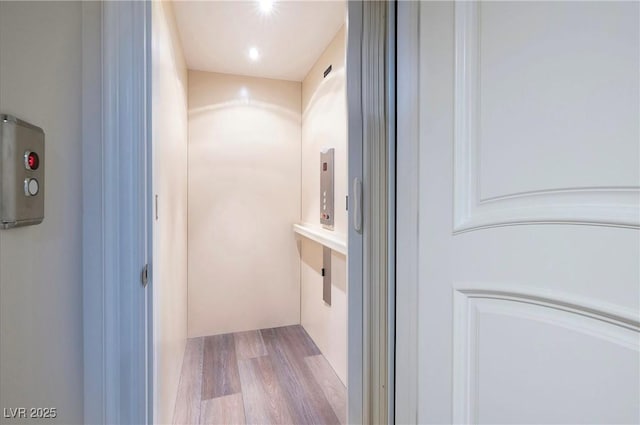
<point x="31" y="187"/>
<point x="326" y="187"/>
<point x="22" y="174"/>
<point x="31" y="160"/>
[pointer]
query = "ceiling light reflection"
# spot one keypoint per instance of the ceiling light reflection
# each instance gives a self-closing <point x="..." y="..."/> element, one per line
<point x="254" y="55"/>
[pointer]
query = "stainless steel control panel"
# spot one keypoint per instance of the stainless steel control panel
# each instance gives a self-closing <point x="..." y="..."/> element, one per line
<point x="326" y="188"/>
<point x="21" y="173"/>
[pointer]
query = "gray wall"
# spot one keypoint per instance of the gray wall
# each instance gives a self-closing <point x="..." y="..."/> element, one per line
<point x="41" y="361"/>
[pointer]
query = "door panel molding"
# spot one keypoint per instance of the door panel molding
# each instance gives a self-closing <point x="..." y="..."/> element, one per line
<point x="605" y="206"/>
<point x="608" y="322"/>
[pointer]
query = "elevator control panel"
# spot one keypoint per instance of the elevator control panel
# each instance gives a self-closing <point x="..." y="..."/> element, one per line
<point x="326" y="188"/>
<point x="21" y="173"/>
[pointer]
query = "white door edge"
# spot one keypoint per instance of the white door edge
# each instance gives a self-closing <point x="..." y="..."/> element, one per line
<point x="407" y="232"/>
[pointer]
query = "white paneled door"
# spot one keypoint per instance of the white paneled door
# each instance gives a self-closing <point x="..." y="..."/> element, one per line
<point x="528" y="247"/>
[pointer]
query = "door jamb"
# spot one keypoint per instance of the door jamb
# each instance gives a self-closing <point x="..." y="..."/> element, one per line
<point x="408" y="196"/>
<point x="115" y="97"/>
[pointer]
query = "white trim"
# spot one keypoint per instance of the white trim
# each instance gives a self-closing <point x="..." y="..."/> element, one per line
<point x="407" y="231"/>
<point x="604" y="206"/>
<point x="114" y="211"/>
<point x="335" y="241"/>
<point x="609" y="322"/>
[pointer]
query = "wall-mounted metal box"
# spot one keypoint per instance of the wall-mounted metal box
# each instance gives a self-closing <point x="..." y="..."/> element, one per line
<point x="326" y="274"/>
<point x="326" y="188"/>
<point x="21" y="173"/>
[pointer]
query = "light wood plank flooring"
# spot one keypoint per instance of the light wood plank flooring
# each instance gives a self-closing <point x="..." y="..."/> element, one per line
<point x="268" y="376"/>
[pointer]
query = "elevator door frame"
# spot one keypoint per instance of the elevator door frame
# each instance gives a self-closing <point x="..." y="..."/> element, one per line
<point x="116" y="177"/>
<point x="371" y="83"/>
<point x="117" y="209"/>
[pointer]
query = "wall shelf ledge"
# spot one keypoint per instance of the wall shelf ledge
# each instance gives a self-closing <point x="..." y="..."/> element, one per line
<point x="335" y="241"/>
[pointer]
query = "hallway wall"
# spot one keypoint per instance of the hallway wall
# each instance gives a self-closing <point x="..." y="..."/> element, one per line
<point x="324" y="125"/>
<point x="244" y="196"/>
<point x="41" y="336"/>
<point x="170" y="229"/>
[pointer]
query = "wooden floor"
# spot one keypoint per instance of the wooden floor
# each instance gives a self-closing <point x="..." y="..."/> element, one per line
<point x="268" y="376"/>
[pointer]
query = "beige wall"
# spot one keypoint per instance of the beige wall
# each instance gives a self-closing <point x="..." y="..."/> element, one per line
<point x="41" y="351"/>
<point x="244" y="196"/>
<point x="324" y="125"/>
<point x="170" y="184"/>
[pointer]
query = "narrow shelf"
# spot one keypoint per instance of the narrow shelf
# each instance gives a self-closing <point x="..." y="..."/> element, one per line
<point x="336" y="241"/>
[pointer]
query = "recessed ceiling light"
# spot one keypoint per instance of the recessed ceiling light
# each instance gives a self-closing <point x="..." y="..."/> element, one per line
<point x="254" y="55"/>
<point x="266" y="6"/>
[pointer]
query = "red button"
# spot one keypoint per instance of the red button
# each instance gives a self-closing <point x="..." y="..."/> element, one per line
<point x="32" y="161"/>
